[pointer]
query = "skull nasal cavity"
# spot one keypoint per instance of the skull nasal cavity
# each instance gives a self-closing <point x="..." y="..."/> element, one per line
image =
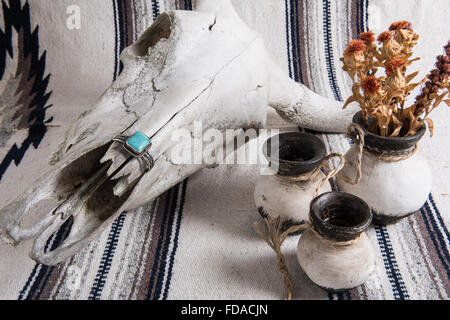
<point x="160" y="29"/>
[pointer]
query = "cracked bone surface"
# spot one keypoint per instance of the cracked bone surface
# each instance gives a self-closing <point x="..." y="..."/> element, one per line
<point x="205" y="65"/>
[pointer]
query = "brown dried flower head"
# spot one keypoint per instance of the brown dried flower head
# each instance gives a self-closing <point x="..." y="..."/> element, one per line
<point x="395" y="64"/>
<point x="370" y="85"/>
<point x="368" y="37"/>
<point x="399" y="25"/>
<point x="355" y="47"/>
<point x="385" y="36"/>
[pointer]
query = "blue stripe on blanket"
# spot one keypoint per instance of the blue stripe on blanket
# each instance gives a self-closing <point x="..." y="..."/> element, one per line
<point x="361" y="22"/>
<point x="329" y="50"/>
<point x="187" y="4"/>
<point x="390" y="263"/>
<point x="123" y="23"/>
<point x="117" y="41"/>
<point x="288" y="40"/>
<point x="435" y="236"/>
<point x="28" y="283"/>
<point x="166" y="243"/>
<point x="175" y="245"/>
<point x="348" y="295"/>
<point x="107" y="258"/>
<point x="166" y="219"/>
<point x="439" y="217"/>
<point x="295" y="33"/>
<point x="155" y="9"/>
<point x="122" y="26"/>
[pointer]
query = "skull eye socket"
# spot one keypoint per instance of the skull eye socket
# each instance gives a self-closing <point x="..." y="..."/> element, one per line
<point x="162" y="28"/>
<point x="79" y="171"/>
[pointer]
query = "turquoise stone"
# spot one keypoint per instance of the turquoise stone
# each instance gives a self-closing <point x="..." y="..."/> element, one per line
<point x="138" y="141"/>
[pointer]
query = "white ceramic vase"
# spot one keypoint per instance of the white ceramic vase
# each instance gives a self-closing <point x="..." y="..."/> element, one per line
<point x="392" y="189"/>
<point x="337" y="255"/>
<point x="283" y="194"/>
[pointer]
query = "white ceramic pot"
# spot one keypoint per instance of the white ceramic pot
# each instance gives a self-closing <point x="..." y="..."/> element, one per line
<point x="282" y="194"/>
<point x="338" y="255"/>
<point x="393" y="190"/>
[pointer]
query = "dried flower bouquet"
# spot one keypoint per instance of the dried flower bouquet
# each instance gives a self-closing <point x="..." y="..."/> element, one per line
<point x="383" y="98"/>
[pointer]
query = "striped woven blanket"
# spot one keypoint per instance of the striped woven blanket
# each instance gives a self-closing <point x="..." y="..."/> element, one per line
<point x="196" y="241"/>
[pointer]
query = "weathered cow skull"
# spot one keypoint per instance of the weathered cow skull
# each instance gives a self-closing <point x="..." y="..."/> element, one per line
<point x="204" y="65"/>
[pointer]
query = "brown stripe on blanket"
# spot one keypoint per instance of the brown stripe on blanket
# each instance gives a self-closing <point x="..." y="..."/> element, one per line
<point x="353" y="294"/>
<point x="144" y="249"/>
<point x="52" y="281"/>
<point x="306" y="52"/>
<point x="130" y="21"/>
<point x="354" y="19"/>
<point x="58" y="284"/>
<point x="179" y="5"/>
<point x="155" y="260"/>
<point x="160" y="229"/>
<point x="365" y="296"/>
<point x="423" y="254"/>
<point x="303" y="43"/>
<point x="183" y="5"/>
<point x="442" y="273"/>
<point x="127" y="27"/>
<point x="41" y="279"/>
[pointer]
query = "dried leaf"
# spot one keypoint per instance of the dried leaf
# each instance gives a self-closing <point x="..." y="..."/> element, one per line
<point x="414" y="123"/>
<point x="396" y="131"/>
<point x="439" y="100"/>
<point x="430" y="126"/>
<point x="349" y="100"/>
<point x="412" y="86"/>
<point x="396" y="120"/>
<point x="447" y="102"/>
<point x="356" y="89"/>
<point x="408" y="55"/>
<point x="433" y="96"/>
<point x="378" y="64"/>
<point x="411" y="76"/>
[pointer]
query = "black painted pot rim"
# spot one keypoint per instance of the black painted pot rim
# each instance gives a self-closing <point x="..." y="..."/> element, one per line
<point x="291" y="167"/>
<point x="340" y="233"/>
<point x="388" y="143"/>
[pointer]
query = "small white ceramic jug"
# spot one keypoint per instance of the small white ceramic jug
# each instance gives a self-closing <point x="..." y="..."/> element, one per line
<point x="335" y="253"/>
<point x="288" y="192"/>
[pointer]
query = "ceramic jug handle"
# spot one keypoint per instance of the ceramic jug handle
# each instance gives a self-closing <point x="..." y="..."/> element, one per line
<point x="331" y="173"/>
